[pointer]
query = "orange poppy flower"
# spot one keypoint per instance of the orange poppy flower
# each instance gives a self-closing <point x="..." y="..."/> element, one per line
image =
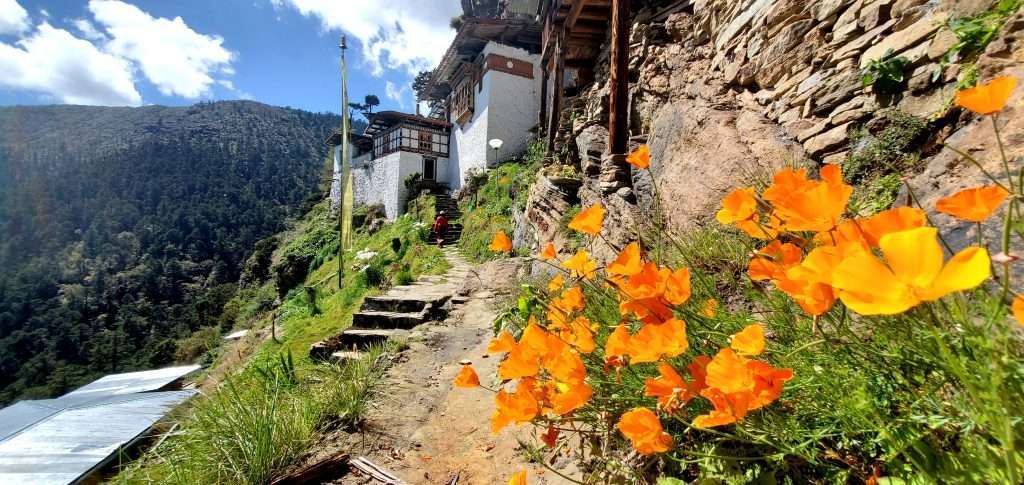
<point x="567" y="367"/>
<point x="813" y="298"/>
<point x="670" y="389"/>
<point x="1018" y="309"/>
<point x="738" y="205"/>
<point x="749" y="341"/>
<point x="518" y="407"/>
<point x="589" y="220"/>
<point x="975" y="204"/>
<point x="549" y="252"/>
<point x="520" y="362"/>
<point x="628" y="263"/>
<point x="677" y="286"/>
<point x="772" y="261"/>
<point x="550" y="437"/>
<point x="892" y="220"/>
<point x="656" y="341"/>
<point x="580" y="335"/>
<point x="761" y="229"/>
<point x="640" y="158"/>
<point x="817" y="206"/>
<point x="570" y="397"/>
<point x="786" y="182"/>
<point x="519" y="478"/>
<point x="556" y="283"/>
<point x="699" y="372"/>
<point x="501" y="243"/>
<point x="524" y="358"/>
<point x="467" y="377"/>
<point x="726" y="410"/>
<point x="648" y="283"/>
<point x="505" y="342"/>
<point x="987" y="98"/>
<point x="728" y="372"/>
<point x="580" y="265"/>
<point x="710" y="308"/>
<point x="768" y="383"/>
<point x="642" y="427"/>
<point x="737" y="385"/>
<point x="618" y="342"/>
<point x="648" y="310"/>
<point x="914" y="273"/>
<point x="570" y="301"/>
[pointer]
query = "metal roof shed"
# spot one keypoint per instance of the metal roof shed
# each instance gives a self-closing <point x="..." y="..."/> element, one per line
<point x="72" y="443"/>
<point x="132" y="382"/>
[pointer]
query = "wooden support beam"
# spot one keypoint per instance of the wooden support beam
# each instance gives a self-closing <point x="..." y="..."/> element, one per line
<point x="618" y="100"/>
<point x="555" y="111"/>
<point x="543" y="95"/>
<point x="590" y="27"/>
<point x="574" y="14"/>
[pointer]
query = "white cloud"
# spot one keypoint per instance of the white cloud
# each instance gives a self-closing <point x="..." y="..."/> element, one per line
<point x="396" y="93"/>
<point x="175" y="58"/>
<point x="55" y="63"/>
<point x="88" y="30"/>
<point x="13" y="18"/>
<point x="395" y="34"/>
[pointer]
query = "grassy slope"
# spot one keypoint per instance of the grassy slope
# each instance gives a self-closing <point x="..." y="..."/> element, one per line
<point x="270" y="412"/>
<point x="489" y="208"/>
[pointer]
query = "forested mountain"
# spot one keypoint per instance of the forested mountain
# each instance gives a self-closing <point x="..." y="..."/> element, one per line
<point x="124" y="229"/>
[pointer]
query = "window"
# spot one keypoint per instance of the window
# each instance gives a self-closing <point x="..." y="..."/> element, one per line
<point x="413" y="138"/>
<point x="463" y="99"/>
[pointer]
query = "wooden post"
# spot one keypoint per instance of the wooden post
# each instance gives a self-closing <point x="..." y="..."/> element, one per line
<point x="541" y="121"/>
<point x="555" y="113"/>
<point x="618" y="102"/>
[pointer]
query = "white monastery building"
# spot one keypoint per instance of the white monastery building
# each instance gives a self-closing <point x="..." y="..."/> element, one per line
<point x="487" y="86"/>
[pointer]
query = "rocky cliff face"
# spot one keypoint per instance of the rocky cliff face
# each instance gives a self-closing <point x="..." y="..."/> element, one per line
<point x="726" y="91"/>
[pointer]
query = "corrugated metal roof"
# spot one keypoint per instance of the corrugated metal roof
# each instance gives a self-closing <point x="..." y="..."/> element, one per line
<point x="78" y="437"/>
<point x="131" y="382"/>
<point x="22" y="414"/>
<point x="58" y="441"/>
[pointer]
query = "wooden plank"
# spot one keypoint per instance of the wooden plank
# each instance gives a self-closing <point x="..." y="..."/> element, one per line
<point x="374" y="471"/>
<point x="574" y="14"/>
<point x="544" y="76"/>
<point x="556" y="92"/>
<point x="618" y="100"/>
<point x="322" y="471"/>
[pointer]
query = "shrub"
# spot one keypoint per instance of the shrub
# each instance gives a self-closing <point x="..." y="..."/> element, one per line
<point x="197" y="345"/>
<point x="886" y="74"/>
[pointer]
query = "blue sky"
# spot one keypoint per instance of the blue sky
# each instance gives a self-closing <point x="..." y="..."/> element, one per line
<point x="178" y="52"/>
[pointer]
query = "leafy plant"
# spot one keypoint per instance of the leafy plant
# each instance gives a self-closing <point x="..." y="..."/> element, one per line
<point x="886" y="74"/>
<point x="973" y="34"/>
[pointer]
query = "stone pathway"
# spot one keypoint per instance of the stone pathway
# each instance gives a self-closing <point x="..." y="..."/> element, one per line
<point x="393" y="314"/>
<point x="419" y="426"/>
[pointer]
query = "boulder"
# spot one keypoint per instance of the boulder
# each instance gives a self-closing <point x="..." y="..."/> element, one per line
<point x="703" y="149"/>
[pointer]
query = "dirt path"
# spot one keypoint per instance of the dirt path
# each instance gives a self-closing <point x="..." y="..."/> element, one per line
<point x="423" y="429"/>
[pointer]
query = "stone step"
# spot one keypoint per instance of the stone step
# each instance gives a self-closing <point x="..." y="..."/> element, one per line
<point x="387" y="303"/>
<point x="363" y="338"/>
<point x="347" y="356"/>
<point x="375" y="319"/>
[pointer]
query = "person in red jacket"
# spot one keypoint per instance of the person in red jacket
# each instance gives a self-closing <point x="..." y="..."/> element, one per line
<point x="440" y="228"/>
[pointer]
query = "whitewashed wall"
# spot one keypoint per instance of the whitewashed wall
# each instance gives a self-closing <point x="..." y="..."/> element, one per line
<point x="505" y="107"/>
<point x="469" y="141"/>
<point x="514" y="103"/>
